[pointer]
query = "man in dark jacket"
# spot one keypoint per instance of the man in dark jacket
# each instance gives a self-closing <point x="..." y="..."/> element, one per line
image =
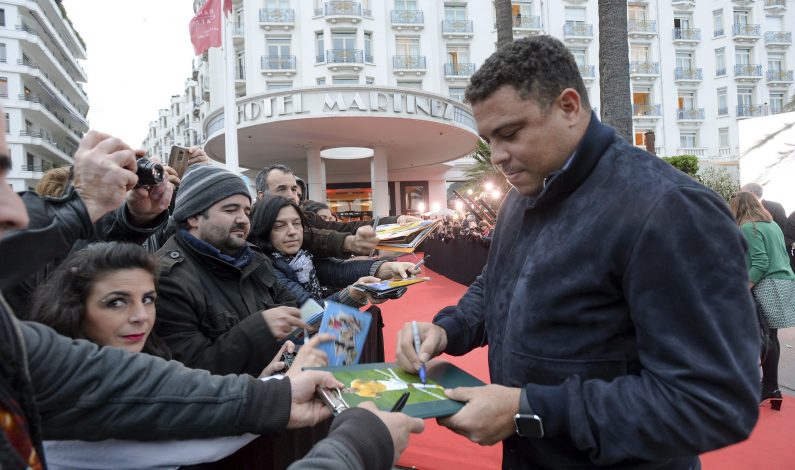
<point x="55" y="387"/>
<point x="789" y="238"/>
<point x="614" y="302"/>
<point x="279" y="180"/>
<point x="219" y="306"/>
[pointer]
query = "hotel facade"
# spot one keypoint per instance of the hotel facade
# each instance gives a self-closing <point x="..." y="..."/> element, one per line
<point x="40" y="88"/>
<point x="387" y="77"/>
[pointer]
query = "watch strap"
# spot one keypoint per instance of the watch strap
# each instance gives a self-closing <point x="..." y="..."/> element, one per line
<point x="524" y="403"/>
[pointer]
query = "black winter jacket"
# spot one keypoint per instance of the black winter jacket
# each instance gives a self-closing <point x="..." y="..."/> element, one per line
<point x="208" y="310"/>
<point x="58" y="227"/>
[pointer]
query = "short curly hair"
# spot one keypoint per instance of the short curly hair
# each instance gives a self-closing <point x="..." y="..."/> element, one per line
<point x="539" y="67"/>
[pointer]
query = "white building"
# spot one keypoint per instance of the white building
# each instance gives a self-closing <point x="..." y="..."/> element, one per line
<point x="311" y="75"/>
<point x="40" y="88"/>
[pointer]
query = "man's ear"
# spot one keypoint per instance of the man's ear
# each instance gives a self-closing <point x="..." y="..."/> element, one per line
<point x="260" y="195"/>
<point x="569" y="102"/>
<point x="193" y="221"/>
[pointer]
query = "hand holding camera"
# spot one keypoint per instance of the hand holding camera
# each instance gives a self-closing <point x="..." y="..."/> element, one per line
<point x="105" y="169"/>
<point x="151" y="195"/>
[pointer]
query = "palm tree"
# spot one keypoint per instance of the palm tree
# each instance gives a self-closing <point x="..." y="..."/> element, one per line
<point x="483" y="171"/>
<point x="504" y="22"/>
<point x="614" y="87"/>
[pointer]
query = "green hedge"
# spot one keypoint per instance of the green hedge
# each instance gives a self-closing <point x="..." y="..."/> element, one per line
<point x="685" y="163"/>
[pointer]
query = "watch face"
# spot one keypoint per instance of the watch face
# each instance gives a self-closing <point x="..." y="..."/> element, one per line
<point x="529" y="426"/>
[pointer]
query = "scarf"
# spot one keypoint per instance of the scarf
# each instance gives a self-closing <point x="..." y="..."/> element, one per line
<point x="240" y="262"/>
<point x="304" y="270"/>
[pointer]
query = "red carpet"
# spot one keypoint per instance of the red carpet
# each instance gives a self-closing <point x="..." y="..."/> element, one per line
<point x="769" y="447"/>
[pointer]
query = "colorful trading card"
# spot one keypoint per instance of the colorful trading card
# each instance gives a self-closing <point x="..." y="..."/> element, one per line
<point x="349" y="326"/>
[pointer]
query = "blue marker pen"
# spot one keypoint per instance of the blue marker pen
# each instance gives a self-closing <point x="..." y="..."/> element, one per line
<point x="417" y="343"/>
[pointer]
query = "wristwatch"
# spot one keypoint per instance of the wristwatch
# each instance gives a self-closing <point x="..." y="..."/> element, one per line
<point x="528" y="424"/>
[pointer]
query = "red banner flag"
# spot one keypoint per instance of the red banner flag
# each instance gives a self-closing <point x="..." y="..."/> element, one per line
<point x="205" y="27"/>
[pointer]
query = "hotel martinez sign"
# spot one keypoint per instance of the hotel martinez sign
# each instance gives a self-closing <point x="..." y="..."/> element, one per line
<point x="345" y="101"/>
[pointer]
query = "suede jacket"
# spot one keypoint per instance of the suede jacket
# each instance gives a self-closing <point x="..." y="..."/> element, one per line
<point x="208" y="311"/>
<point x="618" y="299"/>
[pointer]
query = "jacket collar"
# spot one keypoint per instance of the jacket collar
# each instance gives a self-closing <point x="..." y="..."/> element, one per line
<point x="204" y="248"/>
<point x="562" y="182"/>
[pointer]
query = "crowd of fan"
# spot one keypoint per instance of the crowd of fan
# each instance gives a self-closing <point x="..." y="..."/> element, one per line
<point x="190" y="271"/>
<point x="464" y="228"/>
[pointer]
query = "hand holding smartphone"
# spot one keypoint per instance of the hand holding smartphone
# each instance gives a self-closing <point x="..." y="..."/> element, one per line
<point x="178" y="159"/>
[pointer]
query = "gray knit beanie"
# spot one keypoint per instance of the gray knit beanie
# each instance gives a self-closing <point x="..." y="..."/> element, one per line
<point x="204" y="185"/>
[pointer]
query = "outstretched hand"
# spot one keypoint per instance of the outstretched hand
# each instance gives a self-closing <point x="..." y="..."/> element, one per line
<point x="306" y="409"/>
<point x="104" y="172"/>
<point x="362" y="243"/>
<point x="400" y="426"/>
<point x="309" y="355"/>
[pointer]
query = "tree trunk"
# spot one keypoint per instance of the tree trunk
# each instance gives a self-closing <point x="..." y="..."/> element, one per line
<point x="504" y="22"/>
<point x="616" y="101"/>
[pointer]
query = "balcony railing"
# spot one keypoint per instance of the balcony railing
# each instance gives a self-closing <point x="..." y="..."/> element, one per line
<point x="720" y="72"/>
<point x="695" y="114"/>
<point x="779" y="75"/>
<point x="775" y="3"/>
<point x="344" y="56"/>
<point x="30" y="98"/>
<point x="695" y="151"/>
<point x="527" y="22"/>
<point x="749" y="30"/>
<point x="34" y="134"/>
<point x="33" y="168"/>
<point x="269" y="15"/>
<point x="644" y="68"/>
<point x="778" y="37"/>
<point x="688" y="74"/>
<point x="459" y="69"/>
<point x="407" y="17"/>
<point x="411" y="62"/>
<point x="641" y="26"/>
<point x="718" y="32"/>
<point x="645" y="109"/>
<point x="748" y="70"/>
<point x="751" y="110"/>
<point x="723" y="111"/>
<point x="27" y="63"/>
<point x="238" y="30"/>
<point x="587" y="71"/>
<point x="457" y="26"/>
<point x="275" y="62"/>
<point x="687" y="34"/>
<point x="578" y="29"/>
<point x="344" y="9"/>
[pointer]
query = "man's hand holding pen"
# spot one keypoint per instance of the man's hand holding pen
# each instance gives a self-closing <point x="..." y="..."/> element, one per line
<point x="433" y="341"/>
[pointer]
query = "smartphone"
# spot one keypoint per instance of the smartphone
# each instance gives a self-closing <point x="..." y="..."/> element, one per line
<point x="178" y="159"/>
